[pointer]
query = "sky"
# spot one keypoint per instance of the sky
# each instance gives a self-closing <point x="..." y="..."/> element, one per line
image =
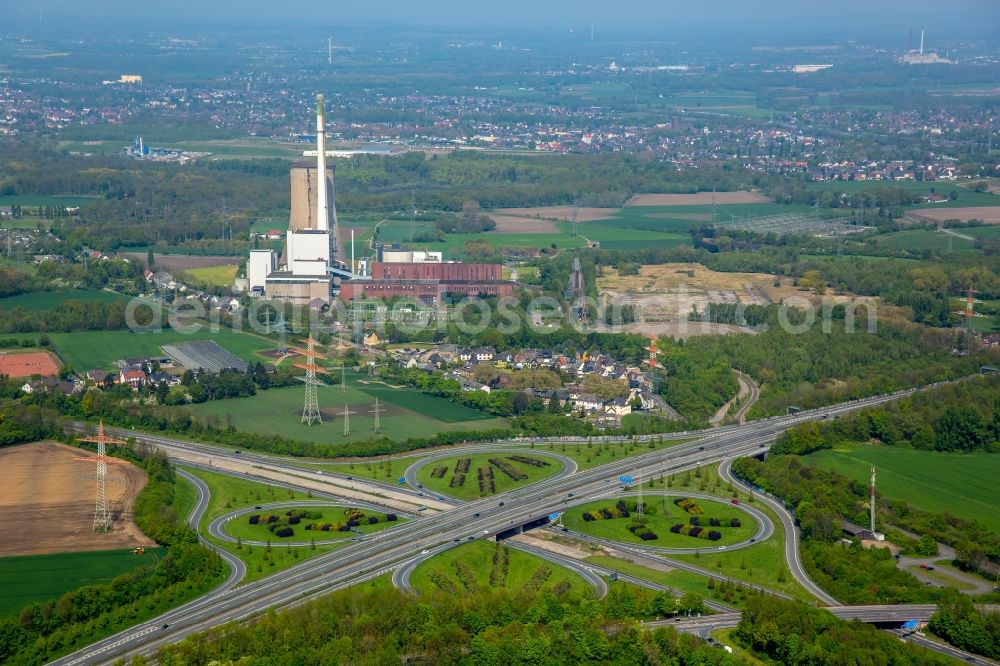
<point x="645" y="15"/>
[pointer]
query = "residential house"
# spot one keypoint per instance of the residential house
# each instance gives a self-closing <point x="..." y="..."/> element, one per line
<point x="134" y="378"/>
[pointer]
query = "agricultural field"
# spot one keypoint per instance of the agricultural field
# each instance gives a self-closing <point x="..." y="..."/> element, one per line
<point x="460" y="476"/>
<point x="660" y="515"/>
<point x="32" y="578"/>
<point x="918" y="240"/>
<point x="404" y="412"/>
<point x="485" y="564"/>
<point x="988" y="214"/>
<point x="963" y="484"/>
<point x="36" y="200"/>
<point x="84" y="350"/>
<point x="50" y="300"/>
<point x="679" y="219"/>
<point x="222" y="275"/>
<point x="244" y="527"/>
<point x="182" y="262"/>
<point x="45" y="485"/>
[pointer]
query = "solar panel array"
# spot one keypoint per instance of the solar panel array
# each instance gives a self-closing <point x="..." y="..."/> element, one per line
<point x="205" y="355"/>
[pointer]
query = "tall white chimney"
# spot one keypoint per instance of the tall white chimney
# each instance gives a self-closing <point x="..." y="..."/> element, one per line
<point x="322" y="206"/>
<point x="921" y="42"/>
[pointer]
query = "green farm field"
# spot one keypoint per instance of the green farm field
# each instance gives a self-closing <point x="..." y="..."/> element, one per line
<point x="476" y="558"/>
<point x="925" y="239"/>
<point x="35" y="200"/>
<point x="404" y="413"/>
<point x="963" y="484"/>
<point x="100" y="349"/>
<point x="679" y="219"/>
<point x="219" y="276"/>
<point x="49" y="300"/>
<point x="32" y="578"/>
<point x="661" y="515"/>
<point x="469" y="490"/>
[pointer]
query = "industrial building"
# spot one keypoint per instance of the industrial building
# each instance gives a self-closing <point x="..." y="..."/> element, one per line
<point x="304" y="272"/>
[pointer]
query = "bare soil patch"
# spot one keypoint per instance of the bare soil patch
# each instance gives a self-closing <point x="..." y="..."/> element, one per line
<point x="564" y="213"/>
<point x="14" y="364"/>
<point x="698" y="199"/>
<point x="180" y="262"/>
<point x="988" y="214"/>
<point x="509" y="224"/>
<point x="666" y="294"/>
<point x="48" y="501"/>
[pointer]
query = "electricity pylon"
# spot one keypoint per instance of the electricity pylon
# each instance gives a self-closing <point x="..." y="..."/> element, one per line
<point x="310" y="410"/>
<point x="102" y="514"/>
<point x="376" y="411"/>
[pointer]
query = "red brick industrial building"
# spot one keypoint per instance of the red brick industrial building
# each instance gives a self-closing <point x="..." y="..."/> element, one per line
<point x="428" y="281"/>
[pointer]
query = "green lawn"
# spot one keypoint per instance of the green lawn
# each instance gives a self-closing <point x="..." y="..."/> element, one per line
<point x="242" y="528"/>
<point x="404" y="413"/>
<point x="41" y="577"/>
<point x="228" y="493"/>
<point x="925" y="239"/>
<point x="469" y="490"/>
<point x="219" y="276"/>
<point x="100" y="349"/>
<point x="762" y="564"/>
<point x="477" y="560"/>
<point x="963" y="484"/>
<point x="660" y="515"/>
<point x="49" y="300"/>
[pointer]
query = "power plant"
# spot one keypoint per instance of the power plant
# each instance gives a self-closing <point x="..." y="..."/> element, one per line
<point x="313" y="268"/>
<point x="304" y="272"/>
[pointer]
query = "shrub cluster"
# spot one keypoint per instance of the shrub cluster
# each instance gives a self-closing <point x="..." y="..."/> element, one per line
<point x="439" y="472"/>
<point x="501" y="562"/>
<point x="538" y="578"/>
<point x="465" y="575"/>
<point x="696" y="531"/>
<point x="643" y="532"/>
<point x="510" y="470"/>
<point x="688" y="505"/>
<point x="487" y="484"/>
<point x="715" y="522"/>
<point x="530" y="460"/>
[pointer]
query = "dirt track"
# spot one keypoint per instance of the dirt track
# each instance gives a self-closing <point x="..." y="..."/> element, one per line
<point x="47" y="501"/>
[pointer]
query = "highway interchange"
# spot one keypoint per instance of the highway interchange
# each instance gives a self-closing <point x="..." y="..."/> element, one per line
<point x="442" y="524"/>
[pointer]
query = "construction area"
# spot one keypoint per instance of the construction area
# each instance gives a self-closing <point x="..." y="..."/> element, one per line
<point x="47" y="501"/>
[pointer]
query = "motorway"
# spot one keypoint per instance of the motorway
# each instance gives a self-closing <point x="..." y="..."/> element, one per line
<point x="367" y="559"/>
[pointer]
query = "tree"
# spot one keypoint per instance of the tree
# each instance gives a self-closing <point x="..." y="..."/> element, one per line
<point x="150" y="259"/>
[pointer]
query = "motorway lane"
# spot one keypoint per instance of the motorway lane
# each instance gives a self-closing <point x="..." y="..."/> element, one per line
<point x="410" y="474"/>
<point x="346" y="565"/>
<point x="237" y="568"/>
<point x="271" y="469"/>
<point x="792" y="554"/>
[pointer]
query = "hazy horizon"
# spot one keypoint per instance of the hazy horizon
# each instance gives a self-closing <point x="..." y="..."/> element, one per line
<point x="645" y="17"/>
